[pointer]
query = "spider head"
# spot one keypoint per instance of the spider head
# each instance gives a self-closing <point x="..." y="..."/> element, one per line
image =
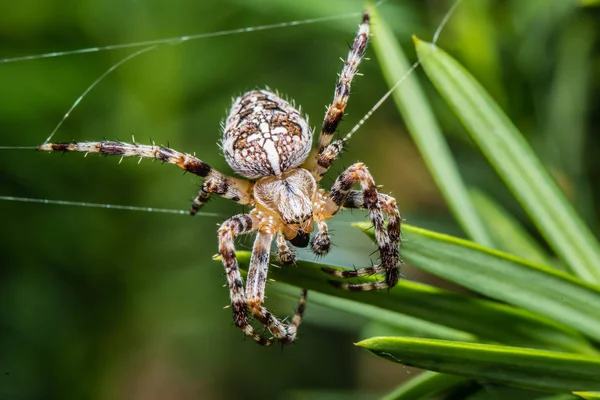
<point x="265" y="135"/>
<point x="289" y="198"/>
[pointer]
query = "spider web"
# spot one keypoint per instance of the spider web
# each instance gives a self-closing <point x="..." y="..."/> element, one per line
<point x="143" y="47"/>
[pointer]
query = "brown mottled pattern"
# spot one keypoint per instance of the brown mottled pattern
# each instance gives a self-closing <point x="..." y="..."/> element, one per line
<point x="265" y="135"/>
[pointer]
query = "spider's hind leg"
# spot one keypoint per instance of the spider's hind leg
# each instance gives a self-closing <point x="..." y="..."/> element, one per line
<point x="235" y="226"/>
<point x="255" y="291"/>
<point x="387" y="239"/>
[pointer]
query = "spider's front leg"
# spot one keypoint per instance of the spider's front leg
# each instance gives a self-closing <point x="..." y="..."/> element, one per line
<point x="229" y="187"/>
<point x="321" y="243"/>
<point x="317" y="163"/>
<point x="387" y="240"/>
<point x="235" y="226"/>
<point x="225" y="186"/>
<point x="255" y="291"/>
<point x="285" y="254"/>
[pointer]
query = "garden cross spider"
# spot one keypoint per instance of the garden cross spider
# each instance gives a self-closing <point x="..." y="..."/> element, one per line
<point x="268" y="141"/>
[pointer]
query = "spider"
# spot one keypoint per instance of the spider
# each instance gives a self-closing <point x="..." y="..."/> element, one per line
<point x="268" y="141"/>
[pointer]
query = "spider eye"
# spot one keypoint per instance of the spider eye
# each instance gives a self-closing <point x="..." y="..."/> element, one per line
<point x="301" y="239"/>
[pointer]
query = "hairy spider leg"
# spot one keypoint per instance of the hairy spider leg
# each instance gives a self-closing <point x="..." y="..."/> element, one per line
<point x="255" y="290"/>
<point x="387" y="240"/>
<point x="285" y="254"/>
<point x="388" y="204"/>
<point x="335" y="111"/>
<point x="238" y="225"/>
<point x="226" y="186"/>
<point x="321" y="242"/>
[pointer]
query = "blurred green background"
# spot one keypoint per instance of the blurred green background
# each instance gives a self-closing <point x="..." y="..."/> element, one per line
<point x="113" y="304"/>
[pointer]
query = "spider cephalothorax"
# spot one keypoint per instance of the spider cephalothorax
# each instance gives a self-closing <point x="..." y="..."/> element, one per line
<point x="268" y="140"/>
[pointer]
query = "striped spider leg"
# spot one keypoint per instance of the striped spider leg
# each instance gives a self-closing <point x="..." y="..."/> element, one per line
<point x="321" y="160"/>
<point x="387" y="240"/>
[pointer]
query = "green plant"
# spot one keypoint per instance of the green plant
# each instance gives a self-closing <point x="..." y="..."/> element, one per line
<point x="538" y="326"/>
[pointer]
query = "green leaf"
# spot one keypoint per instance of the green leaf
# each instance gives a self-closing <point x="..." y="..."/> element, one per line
<point x="512" y="157"/>
<point x="527" y="368"/>
<point x="589" y="395"/>
<point x="478" y="317"/>
<point x="424" y="386"/>
<point x="424" y="129"/>
<point x="540" y="289"/>
<point x="410" y="326"/>
<point x="587" y="3"/>
<point x="507" y="233"/>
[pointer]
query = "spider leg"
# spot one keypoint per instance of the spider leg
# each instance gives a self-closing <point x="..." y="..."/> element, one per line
<point x="285" y="254"/>
<point x="388" y="204"/>
<point x="326" y="158"/>
<point x="216" y="182"/>
<point x="255" y="291"/>
<point x="335" y="111"/>
<point x="234" y="226"/>
<point x="321" y="243"/>
<point x="387" y="240"/>
<point x="225" y="186"/>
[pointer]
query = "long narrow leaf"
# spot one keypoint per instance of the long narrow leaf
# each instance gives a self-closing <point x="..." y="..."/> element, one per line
<point x="546" y="291"/>
<point x="462" y="313"/>
<point x="410" y="326"/>
<point x="507" y="232"/>
<point x="527" y="368"/>
<point x="589" y="395"/>
<point x="425" y="131"/>
<point x="512" y="157"/>
<point x="424" y="386"/>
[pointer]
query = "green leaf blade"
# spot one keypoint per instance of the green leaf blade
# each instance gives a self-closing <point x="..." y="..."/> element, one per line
<point x="463" y="314"/>
<point x="511" y="156"/>
<point x="506" y="231"/>
<point x="424" y="386"/>
<point x="527" y="368"/>
<point x="540" y="289"/>
<point x="425" y="131"/>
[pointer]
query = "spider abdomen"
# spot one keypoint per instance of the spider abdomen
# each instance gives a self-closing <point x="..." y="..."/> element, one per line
<point x="265" y="135"/>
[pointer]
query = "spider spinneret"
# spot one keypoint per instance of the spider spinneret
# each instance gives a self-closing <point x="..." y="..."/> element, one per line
<point x="266" y="139"/>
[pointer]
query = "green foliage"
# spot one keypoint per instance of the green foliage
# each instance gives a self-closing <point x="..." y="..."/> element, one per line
<point x="536" y="288"/>
<point x="528" y="368"/>
<point x="551" y="309"/>
<point x="515" y="162"/>
<point x="107" y="304"/>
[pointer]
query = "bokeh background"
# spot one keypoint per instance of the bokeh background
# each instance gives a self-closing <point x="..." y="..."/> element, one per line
<point x="109" y="304"/>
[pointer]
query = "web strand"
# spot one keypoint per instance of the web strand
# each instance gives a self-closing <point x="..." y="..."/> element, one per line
<point x="182" y="39"/>
<point x="107" y="206"/>
<point x="152" y="44"/>
<point x="100" y="78"/>
<point x="445" y="20"/>
<point x="399" y="82"/>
